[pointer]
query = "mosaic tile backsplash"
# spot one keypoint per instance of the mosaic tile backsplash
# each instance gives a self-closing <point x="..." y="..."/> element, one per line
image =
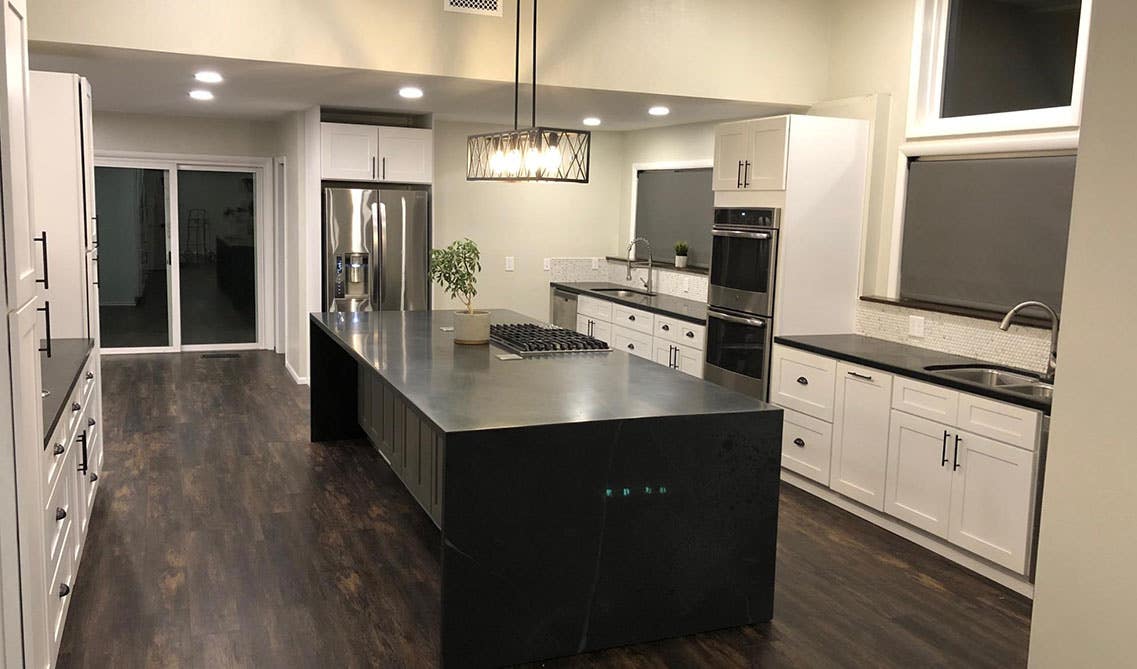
<point x="1022" y="347"/>
<point x="680" y="284"/>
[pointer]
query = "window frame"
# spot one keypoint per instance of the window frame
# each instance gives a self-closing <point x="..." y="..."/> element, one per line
<point x="929" y="39"/>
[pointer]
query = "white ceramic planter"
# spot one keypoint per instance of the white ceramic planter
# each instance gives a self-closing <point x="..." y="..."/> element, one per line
<point x="680" y="261"/>
<point x="471" y="328"/>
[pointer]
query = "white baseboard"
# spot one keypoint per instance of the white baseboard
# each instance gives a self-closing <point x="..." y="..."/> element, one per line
<point x="300" y="380"/>
<point x="1003" y="577"/>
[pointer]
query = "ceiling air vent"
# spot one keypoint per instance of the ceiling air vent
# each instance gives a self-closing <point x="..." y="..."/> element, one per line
<point x="479" y="7"/>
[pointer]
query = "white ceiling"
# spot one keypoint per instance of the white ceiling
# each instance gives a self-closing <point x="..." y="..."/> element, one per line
<point x="147" y="82"/>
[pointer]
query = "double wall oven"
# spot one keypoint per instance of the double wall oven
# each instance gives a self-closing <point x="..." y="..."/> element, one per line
<point x="741" y="298"/>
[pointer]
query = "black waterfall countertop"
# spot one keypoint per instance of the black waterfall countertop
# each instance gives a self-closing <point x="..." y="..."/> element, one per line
<point x="462" y="388"/>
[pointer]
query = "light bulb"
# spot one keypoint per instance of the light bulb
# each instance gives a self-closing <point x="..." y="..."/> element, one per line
<point x="532" y="160"/>
<point x="513" y="162"/>
<point x="551" y="161"/>
<point x="497" y="162"/>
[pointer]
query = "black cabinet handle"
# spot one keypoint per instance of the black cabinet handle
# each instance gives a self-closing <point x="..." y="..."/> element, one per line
<point x="799" y="442"/>
<point x="60" y="513"/>
<point x="690" y="334"/>
<point x="955" y="457"/>
<point x="631" y="347"/>
<point x="746" y="175"/>
<point x="75" y="406"/>
<point x="82" y="438"/>
<point x="94" y="477"/>
<point x="64" y="590"/>
<point x="42" y="239"/>
<point x="864" y="377"/>
<point x="665" y="327"/>
<point x="631" y="317"/>
<point x="58" y="450"/>
<point x="90" y="375"/>
<point x="803" y="381"/>
<point x="384" y="167"/>
<point x="90" y="422"/>
<point x="943" y="451"/>
<point x="740" y="174"/>
<point x="46" y="309"/>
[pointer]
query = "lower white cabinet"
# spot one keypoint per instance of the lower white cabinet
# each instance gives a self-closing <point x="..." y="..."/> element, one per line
<point x="662" y="339"/>
<point x="807" y="444"/>
<point x="632" y="341"/>
<point x="683" y="358"/>
<point x="860" y="434"/>
<point x="592" y="327"/>
<point x="919" y="473"/>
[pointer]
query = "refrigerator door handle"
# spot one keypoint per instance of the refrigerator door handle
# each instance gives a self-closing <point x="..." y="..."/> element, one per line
<point x="403" y="259"/>
<point x="381" y="254"/>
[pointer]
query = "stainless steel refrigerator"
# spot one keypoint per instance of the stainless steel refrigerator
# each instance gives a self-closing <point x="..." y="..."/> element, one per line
<point x="376" y="248"/>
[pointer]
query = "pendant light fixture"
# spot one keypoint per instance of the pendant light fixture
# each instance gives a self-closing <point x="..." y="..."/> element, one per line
<point x="536" y="153"/>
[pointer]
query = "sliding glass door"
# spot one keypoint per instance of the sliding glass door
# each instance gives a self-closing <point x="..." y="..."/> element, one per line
<point x="180" y="258"/>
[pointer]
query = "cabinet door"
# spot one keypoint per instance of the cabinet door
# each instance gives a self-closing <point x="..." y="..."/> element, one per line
<point x="690" y="360"/>
<point x="92" y="260"/>
<point x="88" y="148"/>
<point x="860" y="434"/>
<point x="992" y="495"/>
<point x="602" y="331"/>
<point x="732" y="149"/>
<point x="21" y="250"/>
<point x="349" y="152"/>
<point x="918" y="490"/>
<point x="767" y="159"/>
<point x="406" y="155"/>
<point x="664" y="353"/>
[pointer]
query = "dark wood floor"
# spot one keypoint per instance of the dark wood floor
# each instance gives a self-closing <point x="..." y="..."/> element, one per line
<point x="223" y="538"/>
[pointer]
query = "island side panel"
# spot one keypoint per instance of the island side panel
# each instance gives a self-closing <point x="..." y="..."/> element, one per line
<point x="569" y="538"/>
<point x="333" y="382"/>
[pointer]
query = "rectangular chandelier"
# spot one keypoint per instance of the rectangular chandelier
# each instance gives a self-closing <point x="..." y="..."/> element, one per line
<point x="529" y="154"/>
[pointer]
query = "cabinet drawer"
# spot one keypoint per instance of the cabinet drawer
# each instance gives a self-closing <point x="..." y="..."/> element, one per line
<point x="633" y="319"/>
<point x="680" y="332"/>
<point x="807" y="444"/>
<point x="89" y="379"/>
<point x="631" y="341"/>
<point x="58" y="514"/>
<point x="925" y="400"/>
<point x="1008" y="423"/>
<point x="55" y="455"/>
<point x="590" y="306"/>
<point x="803" y="382"/>
<point x="58" y="596"/>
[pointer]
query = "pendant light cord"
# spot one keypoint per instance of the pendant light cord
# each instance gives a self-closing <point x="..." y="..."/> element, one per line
<point x="534" y="63"/>
<point x="516" y="65"/>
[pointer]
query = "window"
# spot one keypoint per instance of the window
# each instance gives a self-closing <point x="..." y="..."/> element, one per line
<point x="672" y="206"/>
<point x="986" y="233"/>
<point x="985" y="66"/>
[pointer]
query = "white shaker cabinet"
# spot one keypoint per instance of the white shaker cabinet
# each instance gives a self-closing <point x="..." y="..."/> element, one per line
<point x="406" y="155"/>
<point x="860" y="434"/>
<point x="751" y="155"/>
<point x="732" y="150"/>
<point x="349" y="152"/>
<point x="919" y="473"/>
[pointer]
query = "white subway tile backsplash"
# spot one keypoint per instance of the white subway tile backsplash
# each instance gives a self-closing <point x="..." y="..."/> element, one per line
<point x="1022" y="347"/>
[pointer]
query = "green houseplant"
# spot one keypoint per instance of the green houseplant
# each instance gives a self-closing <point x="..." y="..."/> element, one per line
<point x="680" y="254"/>
<point x="456" y="268"/>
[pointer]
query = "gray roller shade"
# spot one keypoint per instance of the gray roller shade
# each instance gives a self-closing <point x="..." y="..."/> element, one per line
<point x="675" y="205"/>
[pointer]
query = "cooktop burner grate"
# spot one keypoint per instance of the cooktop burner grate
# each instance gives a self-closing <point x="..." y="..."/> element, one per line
<point x="528" y="339"/>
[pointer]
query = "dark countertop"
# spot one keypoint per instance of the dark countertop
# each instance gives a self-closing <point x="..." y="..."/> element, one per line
<point x="463" y="388"/>
<point x="907" y="361"/>
<point x="666" y="305"/>
<point x="59" y="374"/>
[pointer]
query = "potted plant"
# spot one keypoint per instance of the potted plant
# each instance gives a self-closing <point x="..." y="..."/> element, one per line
<point x="680" y="254"/>
<point x="455" y="268"/>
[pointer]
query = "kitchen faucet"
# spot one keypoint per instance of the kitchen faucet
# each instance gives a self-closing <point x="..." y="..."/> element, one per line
<point x="1052" y="363"/>
<point x="631" y="245"/>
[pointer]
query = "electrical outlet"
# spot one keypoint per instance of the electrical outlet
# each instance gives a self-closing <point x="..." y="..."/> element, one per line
<point x="509" y="263"/>
<point x="548" y="264"/>
<point x="916" y="326"/>
<point x="686" y="284"/>
<point x="596" y="263"/>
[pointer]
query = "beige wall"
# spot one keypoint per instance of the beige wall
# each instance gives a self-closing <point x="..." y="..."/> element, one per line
<point x="869" y="52"/>
<point x="680" y="143"/>
<point x="757" y="50"/>
<point x="185" y="134"/>
<point x="290" y="136"/>
<point x="1086" y="588"/>
<point x="528" y="221"/>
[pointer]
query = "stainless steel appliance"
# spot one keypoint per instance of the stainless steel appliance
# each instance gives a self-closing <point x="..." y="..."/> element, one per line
<point x="738" y="351"/>
<point x="562" y="311"/>
<point x="744" y="252"/>
<point x="532" y="339"/>
<point x="376" y="248"/>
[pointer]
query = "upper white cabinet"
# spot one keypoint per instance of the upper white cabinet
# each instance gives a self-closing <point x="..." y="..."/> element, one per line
<point x="751" y="155"/>
<point x="860" y="434"/>
<point x="376" y="153"/>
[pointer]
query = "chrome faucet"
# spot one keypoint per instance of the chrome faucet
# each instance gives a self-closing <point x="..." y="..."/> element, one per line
<point x="631" y="245"/>
<point x="1052" y="363"/>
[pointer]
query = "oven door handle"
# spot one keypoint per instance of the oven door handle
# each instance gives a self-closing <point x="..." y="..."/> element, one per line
<point x="740" y="233"/>
<point x="736" y="319"/>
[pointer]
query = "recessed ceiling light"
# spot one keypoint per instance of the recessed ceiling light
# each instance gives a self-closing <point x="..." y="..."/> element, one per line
<point x="659" y="110"/>
<point x="410" y="92"/>
<point x="200" y="94"/>
<point x="209" y="77"/>
<point x="591" y="120"/>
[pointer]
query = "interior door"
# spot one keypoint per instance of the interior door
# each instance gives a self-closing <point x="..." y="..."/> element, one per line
<point x="919" y="473"/>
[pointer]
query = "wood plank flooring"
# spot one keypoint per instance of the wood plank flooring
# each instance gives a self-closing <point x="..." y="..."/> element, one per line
<point x="223" y="538"/>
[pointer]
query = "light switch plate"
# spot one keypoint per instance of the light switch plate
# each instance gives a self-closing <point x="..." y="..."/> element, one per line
<point x="509" y="263"/>
<point x="548" y="264"/>
<point x="916" y="326"/>
<point x="686" y="284"/>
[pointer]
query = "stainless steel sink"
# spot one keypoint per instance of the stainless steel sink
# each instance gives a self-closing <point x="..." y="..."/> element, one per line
<point x="623" y="292"/>
<point x="1038" y="391"/>
<point x="985" y="376"/>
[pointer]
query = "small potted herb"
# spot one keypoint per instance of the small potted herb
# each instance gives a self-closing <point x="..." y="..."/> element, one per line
<point x="680" y="254"/>
<point x="456" y="268"/>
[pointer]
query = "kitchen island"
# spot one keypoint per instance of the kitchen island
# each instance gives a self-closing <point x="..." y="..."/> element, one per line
<point x="584" y="500"/>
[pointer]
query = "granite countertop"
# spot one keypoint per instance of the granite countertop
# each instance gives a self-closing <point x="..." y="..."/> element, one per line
<point x="59" y="373"/>
<point x="667" y="305"/>
<point x="463" y="388"/>
<point x="906" y="360"/>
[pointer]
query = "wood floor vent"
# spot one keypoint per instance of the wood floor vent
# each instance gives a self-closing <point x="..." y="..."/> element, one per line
<point x="209" y="356"/>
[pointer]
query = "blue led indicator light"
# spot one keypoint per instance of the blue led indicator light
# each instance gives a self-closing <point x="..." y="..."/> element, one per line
<point x="647" y="490"/>
<point x="627" y="492"/>
<point x="607" y="492"/>
<point x="663" y="490"/>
